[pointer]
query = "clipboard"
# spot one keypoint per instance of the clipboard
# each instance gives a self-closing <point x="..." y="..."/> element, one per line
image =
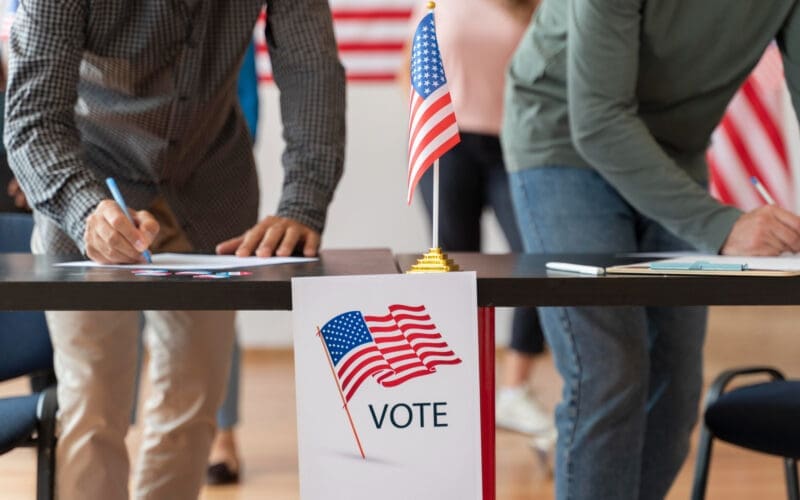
<point x="714" y="266"/>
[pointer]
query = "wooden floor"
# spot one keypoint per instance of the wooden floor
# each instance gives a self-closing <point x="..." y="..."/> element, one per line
<point x="267" y="435"/>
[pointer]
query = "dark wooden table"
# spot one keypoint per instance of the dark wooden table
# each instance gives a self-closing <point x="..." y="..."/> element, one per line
<point x="506" y="280"/>
<point x="33" y="283"/>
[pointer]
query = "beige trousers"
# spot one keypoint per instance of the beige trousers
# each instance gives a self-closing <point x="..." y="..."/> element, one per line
<point x="95" y="361"/>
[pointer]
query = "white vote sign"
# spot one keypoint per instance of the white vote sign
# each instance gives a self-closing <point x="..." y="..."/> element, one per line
<point x="386" y="369"/>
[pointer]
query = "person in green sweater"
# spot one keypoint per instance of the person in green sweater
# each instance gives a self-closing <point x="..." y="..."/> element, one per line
<point x="609" y="108"/>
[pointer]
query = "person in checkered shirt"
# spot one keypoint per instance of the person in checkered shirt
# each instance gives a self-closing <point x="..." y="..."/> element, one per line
<point x="145" y="92"/>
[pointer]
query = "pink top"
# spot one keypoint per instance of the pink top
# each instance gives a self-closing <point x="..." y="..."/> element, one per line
<point x="476" y="40"/>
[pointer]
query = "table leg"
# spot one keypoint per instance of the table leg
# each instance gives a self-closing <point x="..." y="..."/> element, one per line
<point x="487" y="391"/>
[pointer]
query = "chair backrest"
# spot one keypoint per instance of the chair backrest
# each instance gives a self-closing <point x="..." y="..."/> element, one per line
<point x="15" y="232"/>
<point x="24" y="340"/>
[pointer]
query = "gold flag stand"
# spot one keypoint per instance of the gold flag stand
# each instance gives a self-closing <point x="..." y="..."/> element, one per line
<point x="434" y="261"/>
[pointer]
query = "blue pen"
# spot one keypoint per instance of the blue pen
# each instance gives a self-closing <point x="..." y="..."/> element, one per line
<point x="115" y="192"/>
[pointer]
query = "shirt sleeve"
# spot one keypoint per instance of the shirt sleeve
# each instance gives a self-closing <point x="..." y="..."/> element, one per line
<point x="43" y="142"/>
<point x="602" y="68"/>
<point x="307" y="71"/>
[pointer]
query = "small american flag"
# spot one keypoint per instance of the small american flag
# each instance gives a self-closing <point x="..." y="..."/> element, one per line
<point x="432" y="128"/>
<point x="392" y="348"/>
<point x="751" y="140"/>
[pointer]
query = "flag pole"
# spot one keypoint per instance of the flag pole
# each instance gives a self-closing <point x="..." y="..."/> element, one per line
<point x="432" y="5"/>
<point x="435" y="204"/>
<point x="341" y="394"/>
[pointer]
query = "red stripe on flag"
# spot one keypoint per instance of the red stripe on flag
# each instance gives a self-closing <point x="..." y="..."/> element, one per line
<point x="350" y="385"/>
<point x="718" y="181"/>
<point x="413" y="108"/>
<point x="371" y="77"/>
<point x="418" y="317"/>
<point x="387" y="317"/>
<point x="405" y="378"/>
<point x="749" y="89"/>
<point x="371" y="14"/>
<point x="360" y="360"/>
<point x="416" y="326"/>
<point x="735" y="138"/>
<point x="401" y="307"/>
<point x="444" y="362"/>
<point x="447" y="145"/>
<point x="370" y="46"/>
<point x="431" y="109"/>
<point x="417" y="336"/>
<point x="383" y="46"/>
<point x="432" y="134"/>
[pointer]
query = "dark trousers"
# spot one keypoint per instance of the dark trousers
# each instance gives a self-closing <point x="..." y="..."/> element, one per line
<point x="472" y="176"/>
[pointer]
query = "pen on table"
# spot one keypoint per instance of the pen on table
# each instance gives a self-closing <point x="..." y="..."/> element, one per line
<point x="762" y="191"/>
<point x="575" y="268"/>
<point x="115" y="192"/>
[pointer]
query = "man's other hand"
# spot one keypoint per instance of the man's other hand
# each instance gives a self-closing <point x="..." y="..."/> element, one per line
<point x="273" y="236"/>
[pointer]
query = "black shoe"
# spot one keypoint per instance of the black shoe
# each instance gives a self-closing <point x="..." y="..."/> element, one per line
<point x="220" y="473"/>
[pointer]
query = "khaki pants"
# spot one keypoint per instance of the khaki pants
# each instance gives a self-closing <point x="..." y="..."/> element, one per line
<point x="95" y="361"/>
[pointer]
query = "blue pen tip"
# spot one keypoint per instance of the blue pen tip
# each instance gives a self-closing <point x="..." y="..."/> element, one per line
<point x="754" y="180"/>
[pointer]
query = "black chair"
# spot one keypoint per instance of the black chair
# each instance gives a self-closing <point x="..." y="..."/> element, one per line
<point x="763" y="417"/>
<point x="25" y="350"/>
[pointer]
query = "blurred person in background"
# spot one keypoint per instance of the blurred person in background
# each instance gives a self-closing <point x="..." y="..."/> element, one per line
<point x="476" y="40"/>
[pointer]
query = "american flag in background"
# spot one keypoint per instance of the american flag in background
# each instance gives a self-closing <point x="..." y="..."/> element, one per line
<point x="432" y="128"/>
<point x="751" y="140"/>
<point x="392" y="348"/>
<point x="371" y="35"/>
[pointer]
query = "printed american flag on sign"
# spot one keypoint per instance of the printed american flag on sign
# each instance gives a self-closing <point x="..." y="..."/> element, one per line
<point x="392" y="348"/>
<point x="751" y="140"/>
<point x="432" y="128"/>
<point x="371" y="35"/>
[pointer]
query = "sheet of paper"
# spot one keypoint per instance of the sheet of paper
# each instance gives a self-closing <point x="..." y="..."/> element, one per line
<point x="191" y="262"/>
<point x="781" y="263"/>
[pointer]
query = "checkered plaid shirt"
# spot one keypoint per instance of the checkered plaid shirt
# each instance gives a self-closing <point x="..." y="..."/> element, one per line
<point x="145" y="91"/>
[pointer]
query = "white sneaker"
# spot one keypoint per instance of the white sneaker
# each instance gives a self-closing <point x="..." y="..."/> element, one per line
<point x="517" y="410"/>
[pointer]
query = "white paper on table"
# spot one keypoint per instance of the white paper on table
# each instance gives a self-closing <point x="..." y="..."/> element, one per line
<point x="194" y="262"/>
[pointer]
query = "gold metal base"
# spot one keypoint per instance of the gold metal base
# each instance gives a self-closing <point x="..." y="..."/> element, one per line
<point x="434" y="262"/>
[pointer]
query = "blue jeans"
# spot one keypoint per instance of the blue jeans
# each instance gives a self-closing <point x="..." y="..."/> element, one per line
<point x="472" y="176"/>
<point x="632" y="375"/>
